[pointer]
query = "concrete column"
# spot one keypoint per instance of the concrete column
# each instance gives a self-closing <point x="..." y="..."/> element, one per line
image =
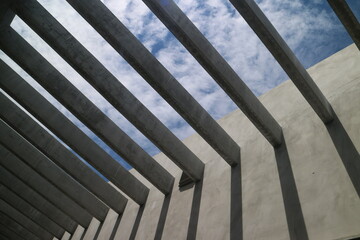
<point x="16" y="227"/>
<point x="66" y="236"/>
<point x="68" y="132"/>
<point x="24" y="221"/>
<point x="32" y="62"/>
<point x="78" y="233"/>
<point x="133" y="51"/>
<point x="108" y="225"/>
<point x="36" y="200"/>
<point x="286" y="58"/>
<point x="110" y="87"/>
<point x="29" y="211"/>
<point x="46" y="189"/>
<point x="92" y="229"/>
<point x="347" y="18"/>
<point x="187" y="33"/>
<point x="11" y="235"/>
<point x="64" y="158"/>
<point x="43" y="165"/>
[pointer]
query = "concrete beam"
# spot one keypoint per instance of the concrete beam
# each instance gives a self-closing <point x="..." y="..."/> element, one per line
<point x="69" y="133"/>
<point x="135" y="53"/>
<point x="36" y="200"/>
<point x="6" y="14"/>
<point x="202" y="50"/>
<point x="9" y="233"/>
<point x="29" y="211"/>
<point x="347" y="18"/>
<point x="43" y="165"/>
<point x="24" y="221"/>
<point x="12" y="225"/>
<point x="26" y="174"/>
<point x="103" y="81"/>
<point x="64" y="158"/>
<point x="32" y="62"/>
<point x="261" y="25"/>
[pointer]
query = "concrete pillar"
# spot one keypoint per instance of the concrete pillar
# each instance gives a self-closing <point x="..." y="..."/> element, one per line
<point x="347" y="18"/>
<point x="92" y="229"/>
<point x="69" y="133"/>
<point x="187" y="33"/>
<point x="66" y="236"/>
<point x="16" y="227"/>
<point x="9" y="233"/>
<point x="133" y="51"/>
<point x="286" y="58"/>
<point x="108" y="225"/>
<point x="46" y="189"/>
<point x="78" y="233"/>
<point x="36" y="200"/>
<point x="64" y="158"/>
<point x="24" y="221"/>
<point x="29" y="211"/>
<point x="43" y="165"/>
<point x="100" y="78"/>
<point x="84" y="110"/>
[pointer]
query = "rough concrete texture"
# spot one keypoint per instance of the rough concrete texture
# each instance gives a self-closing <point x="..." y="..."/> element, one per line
<point x="329" y="201"/>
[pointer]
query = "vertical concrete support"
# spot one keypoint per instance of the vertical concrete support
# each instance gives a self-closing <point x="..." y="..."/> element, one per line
<point x="286" y="58"/>
<point x="36" y="200"/>
<point x="108" y="225"/>
<point x="92" y="229"/>
<point x="110" y="87"/>
<point x="29" y="154"/>
<point x="66" y="236"/>
<point x="40" y="185"/>
<point x="187" y="33"/>
<point x="78" y="233"/>
<point x="133" y="51"/>
<point x="24" y="221"/>
<point x="30" y="99"/>
<point x="12" y="225"/>
<point x="29" y="211"/>
<point x="59" y="154"/>
<point x="347" y="18"/>
<point x="11" y="235"/>
<point x="84" y="109"/>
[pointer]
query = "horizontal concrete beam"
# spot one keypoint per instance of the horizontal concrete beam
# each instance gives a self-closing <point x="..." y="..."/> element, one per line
<point x="109" y="86"/>
<point x="133" y="51"/>
<point x="43" y="165"/>
<point x="29" y="211"/>
<point x="11" y="235"/>
<point x="24" y="221"/>
<point x="261" y="25"/>
<point x="36" y="200"/>
<point x="347" y="18"/>
<point x="69" y="133"/>
<point x="202" y="50"/>
<point x="12" y="225"/>
<point x="32" y="62"/>
<point x="26" y="174"/>
<point x="64" y="158"/>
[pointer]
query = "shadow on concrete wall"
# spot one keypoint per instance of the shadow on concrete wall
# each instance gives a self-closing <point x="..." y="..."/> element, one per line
<point x="137" y="222"/>
<point x="195" y="210"/>
<point x="294" y="215"/>
<point x="162" y="218"/>
<point x="346" y="150"/>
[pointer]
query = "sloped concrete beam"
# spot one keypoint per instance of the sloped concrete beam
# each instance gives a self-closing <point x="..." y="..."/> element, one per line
<point x="68" y="132"/>
<point x="202" y="50"/>
<point x="101" y="79"/>
<point x="32" y="62"/>
<point x="29" y="211"/>
<point x="24" y="221"/>
<point x="267" y="33"/>
<point x="11" y="235"/>
<point x="26" y="174"/>
<point x="12" y="225"/>
<point x="43" y="165"/>
<point x="347" y="18"/>
<point x="37" y="201"/>
<point x="65" y="159"/>
<point x="135" y="53"/>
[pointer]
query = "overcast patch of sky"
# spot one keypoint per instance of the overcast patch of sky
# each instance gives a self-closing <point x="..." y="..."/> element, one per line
<point x="308" y="26"/>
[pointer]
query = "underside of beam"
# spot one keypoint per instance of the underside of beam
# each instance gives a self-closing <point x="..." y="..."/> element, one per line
<point x="101" y="79"/>
<point x="68" y="132"/>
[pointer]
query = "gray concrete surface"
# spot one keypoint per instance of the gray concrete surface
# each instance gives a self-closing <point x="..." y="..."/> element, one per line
<point x="78" y="233"/>
<point x="348" y="19"/>
<point x="64" y="158"/>
<point x="29" y="211"/>
<point x="68" y="132"/>
<point x="83" y="109"/>
<point x="92" y="229"/>
<point x="133" y="51"/>
<point x="202" y="50"/>
<point x="9" y="233"/>
<point x="113" y="91"/>
<point x="12" y="225"/>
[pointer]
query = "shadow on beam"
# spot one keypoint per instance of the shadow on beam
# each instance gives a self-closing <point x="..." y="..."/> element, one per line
<point x="346" y="150"/>
<point x="236" y="226"/>
<point x="293" y="211"/>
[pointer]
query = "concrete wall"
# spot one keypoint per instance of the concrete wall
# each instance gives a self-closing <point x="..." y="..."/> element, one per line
<point x="329" y="201"/>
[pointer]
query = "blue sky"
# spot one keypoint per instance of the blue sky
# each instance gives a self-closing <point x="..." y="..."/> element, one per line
<point x="309" y="27"/>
